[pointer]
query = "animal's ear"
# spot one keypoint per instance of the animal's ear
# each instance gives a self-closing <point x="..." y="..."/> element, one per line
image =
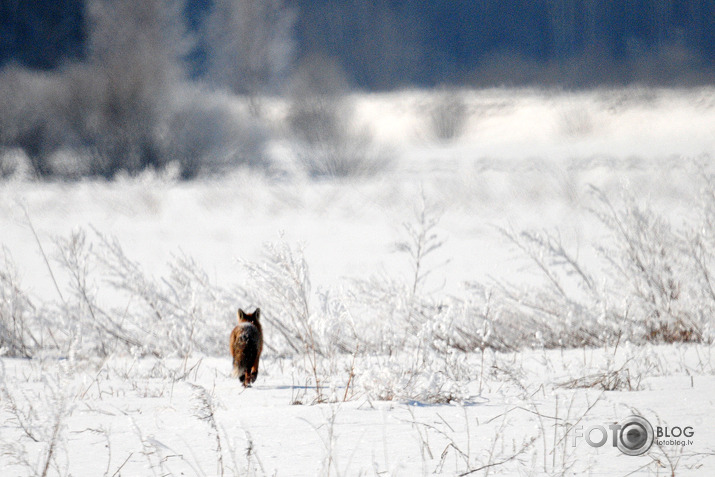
<point x="257" y="313"/>
<point x="241" y="314"/>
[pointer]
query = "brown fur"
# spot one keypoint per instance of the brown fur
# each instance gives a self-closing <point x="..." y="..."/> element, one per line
<point x="246" y="346"/>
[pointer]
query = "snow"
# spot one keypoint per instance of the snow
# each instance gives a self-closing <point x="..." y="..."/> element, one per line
<point x="526" y="160"/>
<point x="131" y="414"/>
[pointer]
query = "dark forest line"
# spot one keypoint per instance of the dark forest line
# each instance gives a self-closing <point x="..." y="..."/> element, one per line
<point x="390" y="44"/>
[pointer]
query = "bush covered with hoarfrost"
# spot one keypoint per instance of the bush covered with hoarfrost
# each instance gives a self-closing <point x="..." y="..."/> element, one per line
<point x="384" y="336"/>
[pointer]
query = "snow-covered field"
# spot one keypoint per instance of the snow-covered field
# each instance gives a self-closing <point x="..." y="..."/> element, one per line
<point x="471" y="308"/>
<point x="172" y="417"/>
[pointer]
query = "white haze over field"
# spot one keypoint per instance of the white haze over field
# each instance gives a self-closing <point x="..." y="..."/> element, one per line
<point x="524" y="160"/>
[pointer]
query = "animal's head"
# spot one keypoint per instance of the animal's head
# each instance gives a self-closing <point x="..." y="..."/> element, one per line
<point x="250" y="318"/>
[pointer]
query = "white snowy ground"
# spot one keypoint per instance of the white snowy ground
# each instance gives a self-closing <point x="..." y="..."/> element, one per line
<point x="526" y="160"/>
<point x="151" y="417"/>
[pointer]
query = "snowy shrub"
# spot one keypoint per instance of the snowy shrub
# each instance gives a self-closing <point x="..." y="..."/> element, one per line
<point x="205" y="134"/>
<point x="176" y="315"/>
<point x="620" y="379"/>
<point x="90" y="327"/>
<point x="26" y="115"/>
<point x="661" y="272"/>
<point x="249" y="44"/>
<point x="575" y="122"/>
<point x="378" y="312"/>
<point x="327" y="141"/>
<point x="14" y="164"/>
<point x="564" y="310"/>
<point x="117" y="111"/>
<point x="448" y="115"/>
<point x="387" y="336"/>
<point x="41" y="416"/>
<point x="402" y="303"/>
<point x="654" y="285"/>
<point x="321" y="123"/>
<point x="282" y="280"/>
<point x="18" y="315"/>
<point x="383" y="316"/>
<point x="471" y="325"/>
<point x="396" y="317"/>
<point x="420" y="374"/>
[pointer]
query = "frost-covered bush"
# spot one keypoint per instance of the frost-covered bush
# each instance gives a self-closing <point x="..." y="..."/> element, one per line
<point x="18" y="315"/>
<point x="421" y="375"/>
<point x="565" y="309"/>
<point x="660" y="271"/>
<point x="249" y="44"/>
<point x="575" y="122"/>
<point x="27" y="108"/>
<point x="40" y="415"/>
<point x="321" y="123"/>
<point x="654" y="284"/>
<point x="206" y="135"/>
<point x="393" y="317"/>
<point x="448" y="114"/>
<point x="175" y="315"/>
<point x="328" y="143"/>
<point x="282" y="279"/>
<point x="14" y="164"/>
<point x="78" y="122"/>
<point x="117" y="111"/>
<point x="388" y="336"/>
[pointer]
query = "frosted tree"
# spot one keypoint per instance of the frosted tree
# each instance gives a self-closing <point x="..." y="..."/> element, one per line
<point x="135" y="52"/>
<point x="249" y="43"/>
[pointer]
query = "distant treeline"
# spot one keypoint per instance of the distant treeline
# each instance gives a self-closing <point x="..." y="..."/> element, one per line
<point x="385" y="44"/>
